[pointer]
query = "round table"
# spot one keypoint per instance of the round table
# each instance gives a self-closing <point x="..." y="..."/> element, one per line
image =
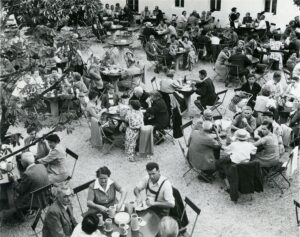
<point x="149" y="230"/>
<point x="120" y="42"/>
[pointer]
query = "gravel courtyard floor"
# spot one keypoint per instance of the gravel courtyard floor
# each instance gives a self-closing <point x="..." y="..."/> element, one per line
<point x="267" y="214"/>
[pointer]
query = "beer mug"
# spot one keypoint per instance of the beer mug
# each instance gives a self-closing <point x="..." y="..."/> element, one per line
<point x="101" y="222"/>
<point x="112" y="211"/>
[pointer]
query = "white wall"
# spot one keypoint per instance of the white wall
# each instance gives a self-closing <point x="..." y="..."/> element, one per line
<point x="286" y="10"/>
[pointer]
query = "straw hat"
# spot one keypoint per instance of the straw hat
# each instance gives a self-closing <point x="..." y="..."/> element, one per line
<point x="148" y="24"/>
<point x="242" y="135"/>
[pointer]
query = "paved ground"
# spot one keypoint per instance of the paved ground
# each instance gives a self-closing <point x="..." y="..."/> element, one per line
<point x="267" y="214"/>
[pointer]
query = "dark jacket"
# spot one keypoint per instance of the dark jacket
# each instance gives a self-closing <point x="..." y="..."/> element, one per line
<point x="58" y="223"/>
<point x="142" y="99"/>
<point x="33" y="178"/>
<point x="247" y="19"/>
<point x="245" y="178"/>
<point x="177" y="211"/>
<point x="160" y="113"/>
<point x="254" y="91"/>
<point x="105" y="101"/>
<point x="240" y="60"/>
<point x="206" y="90"/>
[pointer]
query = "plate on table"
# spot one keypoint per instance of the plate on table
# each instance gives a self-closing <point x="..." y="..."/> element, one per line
<point x="141" y="207"/>
<point x="122" y="218"/>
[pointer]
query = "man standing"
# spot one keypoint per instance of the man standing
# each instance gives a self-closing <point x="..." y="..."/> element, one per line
<point x="233" y="16"/>
<point x="158" y="189"/>
<point x="59" y="220"/>
<point x="206" y="91"/>
<point x="34" y="177"/>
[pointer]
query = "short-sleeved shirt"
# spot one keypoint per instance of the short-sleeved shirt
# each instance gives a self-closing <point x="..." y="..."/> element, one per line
<point x="240" y="151"/>
<point x="103" y="197"/>
<point x="165" y="193"/>
<point x="238" y="122"/>
<point x="269" y="155"/>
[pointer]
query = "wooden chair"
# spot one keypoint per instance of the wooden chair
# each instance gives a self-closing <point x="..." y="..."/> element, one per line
<point x="199" y="172"/>
<point x="75" y="157"/>
<point x="36" y="220"/>
<point x="183" y="128"/>
<point x="80" y="188"/>
<point x="197" y="210"/>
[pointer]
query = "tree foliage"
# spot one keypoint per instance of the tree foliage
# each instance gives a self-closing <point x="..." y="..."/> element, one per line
<point x="53" y="13"/>
<point x="297" y="2"/>
<point x="20" y="54"/>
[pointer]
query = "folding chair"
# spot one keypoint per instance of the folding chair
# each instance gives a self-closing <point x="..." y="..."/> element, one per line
<point x="197" y="210"/>
<point x="43" y="196"/>
<point x="36" y="221"/>
<point x="297" y="205"/>
<point x="233" y="73"/>
<point x="219" y="102"/>
<point x="154" y="83"/>
<point x="80" y="188"/>
<point x="289" y="166"/>
<point x="165" y="134"/>
<point x="183" y="127"/>
<point x="75" y="156"/>
<point x="191" y="166"/>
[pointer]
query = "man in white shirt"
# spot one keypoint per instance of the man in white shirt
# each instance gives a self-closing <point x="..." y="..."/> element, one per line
<point x="275" y="85"/>
<point x="158" y="189"/>
<point x="262" y="25"/>
<point x="241" y="150"/>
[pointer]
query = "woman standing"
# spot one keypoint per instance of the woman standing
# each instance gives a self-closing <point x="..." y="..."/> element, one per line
<point x="220" y="67"/>
<point x="135" y="119"/>
<point x="191" y="56"/>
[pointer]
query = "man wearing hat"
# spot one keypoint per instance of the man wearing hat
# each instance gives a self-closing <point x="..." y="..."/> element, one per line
<point x="55" y="160"/>
<point x="59" y="220"/>
<point x="244" y="120"/>
<point x="241" y="150"/>
<point x="34" y="177"/>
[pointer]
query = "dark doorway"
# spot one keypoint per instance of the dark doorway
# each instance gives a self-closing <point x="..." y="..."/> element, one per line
<point x="133" y="5"/>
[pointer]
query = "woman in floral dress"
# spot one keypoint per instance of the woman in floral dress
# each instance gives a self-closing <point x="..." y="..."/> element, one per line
<point x="135" y="120"/>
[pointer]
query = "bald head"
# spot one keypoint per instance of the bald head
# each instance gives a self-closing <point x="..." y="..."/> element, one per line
<point x="27" y="159"/>
<point x="138" y="91"/>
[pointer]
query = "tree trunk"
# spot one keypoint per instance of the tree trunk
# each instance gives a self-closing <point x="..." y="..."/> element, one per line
<point x="4" y="123"/>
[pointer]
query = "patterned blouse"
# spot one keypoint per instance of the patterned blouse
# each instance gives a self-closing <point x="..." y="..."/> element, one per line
<point x="135" y="119"/>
